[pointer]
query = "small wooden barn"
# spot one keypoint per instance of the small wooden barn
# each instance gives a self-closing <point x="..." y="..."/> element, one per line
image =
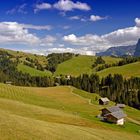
<point x="8" y="82"/>
<point x="104" y="101"/>
<point x="113" y="115"/>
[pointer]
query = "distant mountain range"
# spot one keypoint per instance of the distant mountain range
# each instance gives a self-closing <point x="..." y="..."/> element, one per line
<point x="132" y="50"/>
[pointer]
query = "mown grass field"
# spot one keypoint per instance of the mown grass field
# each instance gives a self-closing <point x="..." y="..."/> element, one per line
<point x="32" y="71"/>
<point x="127" y="70"/>
<point x="81" y="65"/>
<point x="58" y="113"/>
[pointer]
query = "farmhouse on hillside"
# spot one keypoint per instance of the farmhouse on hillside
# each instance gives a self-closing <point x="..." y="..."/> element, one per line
<point x="104" y="101"/>
<point x="113" y="115"/>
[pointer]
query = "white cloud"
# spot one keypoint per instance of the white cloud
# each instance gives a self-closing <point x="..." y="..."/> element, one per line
<point x="137" y="20"/>
<point x="15" y="33"/>
<point x="95" y="43"/>
<point x="68" y="5"/>
<point x="63" y="5"/>
<point x="96" y="18"/>
<point x="12" y="32"/>
<point x="60" y="50"/>
<point x="71" y="38"/>
<point x="48" y="41"/>
<point x="42" y="6"/>
<point x="92" y="18"/>
<point x="126" y="36"/>
<point x="74" y="18"/>
<point x="36" y="27"/>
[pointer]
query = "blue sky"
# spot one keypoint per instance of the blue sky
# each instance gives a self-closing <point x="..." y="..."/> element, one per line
<point x="81" y="26"/>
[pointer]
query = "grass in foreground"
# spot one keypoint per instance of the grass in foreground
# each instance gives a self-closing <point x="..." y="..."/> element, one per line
<point x="57" y="113"/>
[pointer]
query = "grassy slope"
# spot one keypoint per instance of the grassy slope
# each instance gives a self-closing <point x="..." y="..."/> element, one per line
<point x="76" y="66"/>
<point x="22" y="56"/>
<point x="126" y="70"/>
<point x="79" y="65"/>
<point x="33" y="71"/>
<point x="57" y="113"/>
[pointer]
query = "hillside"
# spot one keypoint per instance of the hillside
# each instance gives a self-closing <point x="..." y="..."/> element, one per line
<point x="76" y="66"/>
<point x="80" y="65"/>
<point x="33" y="71"/>
<point x="22" y="56"/>
<point x="58" y="113"/>
<point x="28" y="63"/>
<point x="126" y="70"/>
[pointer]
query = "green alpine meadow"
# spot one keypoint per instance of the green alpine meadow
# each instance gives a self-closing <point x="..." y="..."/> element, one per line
<point x="69" y="70"/>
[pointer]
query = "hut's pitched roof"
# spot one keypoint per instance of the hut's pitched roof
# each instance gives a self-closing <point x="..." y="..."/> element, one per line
<point x="104" y="99"/>
<point x="113" y="109"/>
<point x="117" y="114"/>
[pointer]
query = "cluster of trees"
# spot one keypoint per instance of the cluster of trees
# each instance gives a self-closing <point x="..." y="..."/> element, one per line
<point x="33" y="63"/>
<point x="126" y="60"/>
<point x="98" y="60"/>
<point x="56" y="58"/>
<point x="4" y="54"/>
<point x="116" y="88"/>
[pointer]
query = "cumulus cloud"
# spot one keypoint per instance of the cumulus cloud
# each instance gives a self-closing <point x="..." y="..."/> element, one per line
<point x="68" y="5"/>
<point x="13" y="32"/>
<point x="95" y="43"/>
<point x="96" y="18"/>
<point x="63" y="5"/>
<point x="42" y="6"/>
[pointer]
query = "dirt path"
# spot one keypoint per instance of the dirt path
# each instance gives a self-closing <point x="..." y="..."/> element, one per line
<point x="88" y="100"/>
<point x="134" y="121"/>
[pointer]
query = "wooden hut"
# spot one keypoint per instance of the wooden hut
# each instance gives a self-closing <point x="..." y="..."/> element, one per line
<point x="104" y="101"/>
